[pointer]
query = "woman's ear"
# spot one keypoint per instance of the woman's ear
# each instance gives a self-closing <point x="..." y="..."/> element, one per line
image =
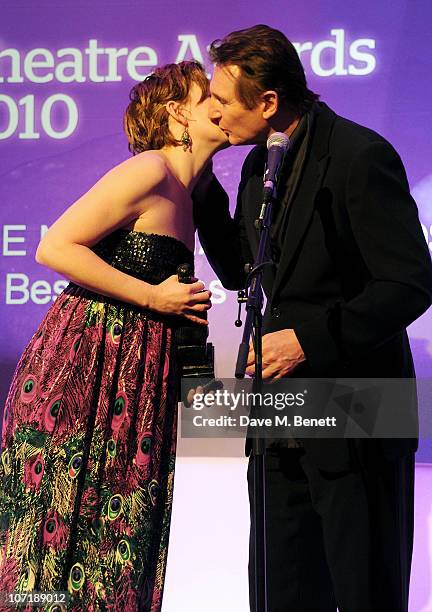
<point x="176" y="111"/>
<point x="270" y="101"/>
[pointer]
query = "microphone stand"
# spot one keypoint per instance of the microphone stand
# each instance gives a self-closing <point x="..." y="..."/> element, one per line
<point x="253" y="326"/>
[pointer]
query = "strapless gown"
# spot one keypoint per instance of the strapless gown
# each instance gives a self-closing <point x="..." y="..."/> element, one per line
<point x="89" y="442"/>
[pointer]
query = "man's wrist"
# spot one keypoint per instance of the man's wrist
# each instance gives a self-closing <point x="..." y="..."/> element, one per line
<point x="320" y="349"/>
<point x="300" y="357"/>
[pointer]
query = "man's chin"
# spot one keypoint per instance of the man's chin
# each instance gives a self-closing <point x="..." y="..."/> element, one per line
<point x="237" y="141"/>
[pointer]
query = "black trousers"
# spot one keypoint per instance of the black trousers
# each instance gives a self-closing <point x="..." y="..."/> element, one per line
<point x="336" y="539"/>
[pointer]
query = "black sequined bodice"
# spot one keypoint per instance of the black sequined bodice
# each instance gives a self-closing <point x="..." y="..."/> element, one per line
<point x="149" y="257"/>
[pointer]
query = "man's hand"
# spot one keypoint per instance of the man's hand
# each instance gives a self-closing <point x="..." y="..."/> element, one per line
<point x="281" y="354"/>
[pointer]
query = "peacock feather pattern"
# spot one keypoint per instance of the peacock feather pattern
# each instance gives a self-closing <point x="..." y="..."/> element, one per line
<point x="89" y="442"/>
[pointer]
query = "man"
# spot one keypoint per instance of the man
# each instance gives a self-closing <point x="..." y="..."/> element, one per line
<point x="352" y="271"/>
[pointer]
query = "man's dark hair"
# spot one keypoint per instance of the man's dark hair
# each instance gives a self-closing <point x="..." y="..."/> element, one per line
<point x="267" y="60"/>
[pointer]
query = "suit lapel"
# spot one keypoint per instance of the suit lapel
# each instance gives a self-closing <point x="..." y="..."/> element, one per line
<point x="303" y="201"/>
<point x="253" y="197"/>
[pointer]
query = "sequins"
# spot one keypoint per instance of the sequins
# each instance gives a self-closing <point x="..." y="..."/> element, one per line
<point x="140" y="254"/>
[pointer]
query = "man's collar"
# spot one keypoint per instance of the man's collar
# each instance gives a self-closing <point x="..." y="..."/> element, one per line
<point x="299" y="130"/>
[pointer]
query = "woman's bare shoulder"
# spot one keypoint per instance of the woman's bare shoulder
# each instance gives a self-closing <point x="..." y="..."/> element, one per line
<point x="147" y="167"/>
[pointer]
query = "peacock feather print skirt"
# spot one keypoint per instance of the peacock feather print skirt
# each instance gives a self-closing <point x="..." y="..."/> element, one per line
<point x="89" y="442"/>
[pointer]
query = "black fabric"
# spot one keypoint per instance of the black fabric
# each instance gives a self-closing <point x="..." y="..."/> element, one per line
<point x="288" y="181"/>
<point x="140" y="254"/>
<point x="354" y="270"/>
<point x="336" y="538"/>
<point x="289" y="177"/>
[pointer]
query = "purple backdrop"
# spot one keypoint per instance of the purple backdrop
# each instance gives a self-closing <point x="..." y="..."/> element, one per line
<point x="65" y="74"/>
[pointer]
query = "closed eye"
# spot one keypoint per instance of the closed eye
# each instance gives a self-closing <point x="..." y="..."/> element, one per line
<point x="218" y="99"/>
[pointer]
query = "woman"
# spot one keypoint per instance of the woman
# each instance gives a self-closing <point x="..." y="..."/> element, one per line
<point x="89" y="433"/>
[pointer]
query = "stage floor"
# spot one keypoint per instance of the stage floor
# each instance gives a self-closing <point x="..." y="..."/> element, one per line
<point x="207" y="559"/>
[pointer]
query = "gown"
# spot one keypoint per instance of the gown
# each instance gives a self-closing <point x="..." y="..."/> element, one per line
<point x="89" y="442"/>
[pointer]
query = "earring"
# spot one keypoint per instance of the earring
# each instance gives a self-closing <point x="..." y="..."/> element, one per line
<point x="186" y="140"/>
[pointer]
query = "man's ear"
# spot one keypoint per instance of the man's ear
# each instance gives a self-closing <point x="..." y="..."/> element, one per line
<point x="176" y="111"/>
<point x="270" y="102"/>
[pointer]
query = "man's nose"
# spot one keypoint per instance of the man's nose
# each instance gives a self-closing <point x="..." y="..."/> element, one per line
<point x="213" y="112"/>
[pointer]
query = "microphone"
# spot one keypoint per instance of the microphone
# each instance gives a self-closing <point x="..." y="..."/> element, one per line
<point x="277" y="145"/>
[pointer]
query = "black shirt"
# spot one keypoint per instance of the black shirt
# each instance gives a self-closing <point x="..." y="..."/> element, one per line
<point x="289" y="177"/>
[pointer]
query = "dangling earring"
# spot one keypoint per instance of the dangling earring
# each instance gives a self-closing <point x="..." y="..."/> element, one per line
<point x="186" y="140"/>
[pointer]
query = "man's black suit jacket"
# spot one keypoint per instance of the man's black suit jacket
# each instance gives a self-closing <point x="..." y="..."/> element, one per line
<point x="354" y="270"/>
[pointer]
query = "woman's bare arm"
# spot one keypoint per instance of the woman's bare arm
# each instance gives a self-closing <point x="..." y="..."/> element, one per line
<point x="114" y="201"/>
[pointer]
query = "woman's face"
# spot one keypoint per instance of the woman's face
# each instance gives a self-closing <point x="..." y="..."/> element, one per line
<point x="200" y="126"/>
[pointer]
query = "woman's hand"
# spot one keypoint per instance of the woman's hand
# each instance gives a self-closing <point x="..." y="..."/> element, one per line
<point x="172" y="297"/>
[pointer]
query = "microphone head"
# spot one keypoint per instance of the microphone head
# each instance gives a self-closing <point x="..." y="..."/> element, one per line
<point x="279" y="139"/>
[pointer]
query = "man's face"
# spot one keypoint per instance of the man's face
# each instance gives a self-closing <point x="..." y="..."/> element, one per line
<point x="241" y="125"/>
<point x="198" y="113"/>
